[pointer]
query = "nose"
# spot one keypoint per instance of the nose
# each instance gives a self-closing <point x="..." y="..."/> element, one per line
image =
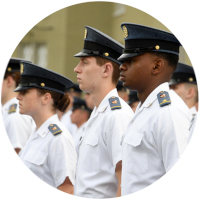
<point x="122" y="67"/>
<point x="18" y="97"/>
<point x="77" y="69"/>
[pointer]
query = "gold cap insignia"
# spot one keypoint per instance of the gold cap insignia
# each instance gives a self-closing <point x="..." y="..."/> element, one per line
<point x="71" y="89"/>
<point x="21" y="68"/>
<point x="125" y="31"/>
<point x="106" y="54"/>
<point x="157" y="47"/>
<point x="54" y="128"/>
<point x="191" y="79"/>
<point x="85" y="33"/>
<point x="82" y="107"/>
<point x="9" y="69"/>
<point x="42" y="84"/>
<point x="114" y="102"/>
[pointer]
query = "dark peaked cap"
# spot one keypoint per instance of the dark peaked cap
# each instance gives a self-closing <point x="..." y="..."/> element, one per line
<point x="140" y="39"/>
<point x="33" y="76"/>
<point x="14" y="64"/>
<point x="97" y="43"/>
<point x="183" y="74"/>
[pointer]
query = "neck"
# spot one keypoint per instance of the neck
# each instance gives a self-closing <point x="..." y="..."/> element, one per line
<point x="41" y="118"/>
<point x="80" y="124"/>
<point x="142" y="95"/>
<point x="98" y="96"/>
<point x="8" y="97"/>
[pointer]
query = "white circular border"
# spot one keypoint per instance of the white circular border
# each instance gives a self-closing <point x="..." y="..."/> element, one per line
<point x="182" y="181"/>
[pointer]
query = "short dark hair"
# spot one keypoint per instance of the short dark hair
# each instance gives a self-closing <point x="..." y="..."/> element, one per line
<point x="172" y="59"/>
<point x="15" y="75"/>
<point x="116" y="71"/>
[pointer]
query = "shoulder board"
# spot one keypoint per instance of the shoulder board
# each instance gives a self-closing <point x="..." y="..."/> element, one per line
<point x="163" y="98"/>
<point x="12" y="108"/>
<point x="114" y="103"/>
<point x="54" y="129"/>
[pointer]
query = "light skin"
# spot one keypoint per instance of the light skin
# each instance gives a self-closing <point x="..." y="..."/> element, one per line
<point x="149" y="71"/>
<point x="187" y="92"/>
<point x="96" y="80"/>
<point x="40" y="108"/>
<point x="134" y="105"/>
<point x="7" y="94"/>
<point x="79" y="117"/>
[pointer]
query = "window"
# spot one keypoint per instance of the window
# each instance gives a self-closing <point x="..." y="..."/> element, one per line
<point x="34" y="52"/>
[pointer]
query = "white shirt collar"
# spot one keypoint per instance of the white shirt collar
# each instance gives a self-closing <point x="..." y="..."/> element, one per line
<point x="43" y="130"/>
<point x="153" y="96"/>
<point x="105" y="103"/>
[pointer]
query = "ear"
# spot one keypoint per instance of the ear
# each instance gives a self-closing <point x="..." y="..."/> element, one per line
<point x="190" y="93"/>
<point x="46" y="98"/>
<point x="107" y="69"/>
<point x="10" y="81"/>
<point x="158" y="67"/>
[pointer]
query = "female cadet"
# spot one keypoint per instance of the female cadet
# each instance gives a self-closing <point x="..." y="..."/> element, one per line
<point x="49" y="153"/>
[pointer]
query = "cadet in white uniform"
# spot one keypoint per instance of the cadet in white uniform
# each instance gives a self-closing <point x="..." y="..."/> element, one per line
<point x="184" y="83"/>
<point x="158" y="133"/>
<point x="80" y="115"/>
<point x="50" y="151"/>
<point x="18" y="127"/>
<point x="99" y="165"/>
<point x="73" y="91"/>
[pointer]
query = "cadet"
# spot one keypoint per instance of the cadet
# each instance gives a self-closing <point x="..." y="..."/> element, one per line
<point x="73" y="91"/>
<point x="122" y="92"/>
<point x="158" y="133"/>
<point x="18" y="127"/>
<point x="133" y="100"/>
<point x="80" y="115"/>
<point x="184" y="83"/>
<point x="99" y="164"/>
<point x="49" y="153"/>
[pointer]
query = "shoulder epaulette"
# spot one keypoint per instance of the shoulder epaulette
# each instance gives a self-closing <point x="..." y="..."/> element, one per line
<point x="12" y="108"/>
<point x="114" y="103"/>
<point x="54" y="129"/>
<point x="163" y="98"/>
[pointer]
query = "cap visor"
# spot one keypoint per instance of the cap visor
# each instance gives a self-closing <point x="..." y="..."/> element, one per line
<point x="81" y="54"/>
<point x="125" y="56"/>
<point x="21" y="88"/>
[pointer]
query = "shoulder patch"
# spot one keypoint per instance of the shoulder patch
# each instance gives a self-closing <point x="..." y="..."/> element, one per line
<point x="114" y="103"/>
<point x="163" y="98"/>
<point x="54" y="129"/>
<point x="12" y="108"/>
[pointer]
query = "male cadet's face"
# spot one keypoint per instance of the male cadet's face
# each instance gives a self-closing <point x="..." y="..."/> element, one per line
<point x="88" y="74"/>
<point x="136" y="71"/>
<point x="180" y="89"/>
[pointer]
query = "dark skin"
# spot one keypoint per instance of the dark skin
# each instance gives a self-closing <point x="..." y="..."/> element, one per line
<point x="144" y="73"/>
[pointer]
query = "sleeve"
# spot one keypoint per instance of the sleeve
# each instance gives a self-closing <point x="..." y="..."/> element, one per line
<point x="171" y="136"/>
<point x="62" y="160"/>
<point x="116" y="127"/>
<point x="18" y="131"/>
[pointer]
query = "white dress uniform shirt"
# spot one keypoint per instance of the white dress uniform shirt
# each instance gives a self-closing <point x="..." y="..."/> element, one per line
<point x="155" y="139"/>
<point x="66" y="120"/>
<point x="193" y="111"/>
<point x="18" y="127"/>
<point x="100" y="150"/>
<point x="77" y="136"/>
<point x="51" y="158"/>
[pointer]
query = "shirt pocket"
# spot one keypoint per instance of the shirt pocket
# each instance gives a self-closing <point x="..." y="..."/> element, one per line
<point x="134" y="154"/>
<point x="90" y="158"/>
<point x="35" y="157"/>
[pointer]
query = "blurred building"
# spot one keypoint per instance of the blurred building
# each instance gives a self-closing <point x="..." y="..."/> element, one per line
<point x="54" y="40"/>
